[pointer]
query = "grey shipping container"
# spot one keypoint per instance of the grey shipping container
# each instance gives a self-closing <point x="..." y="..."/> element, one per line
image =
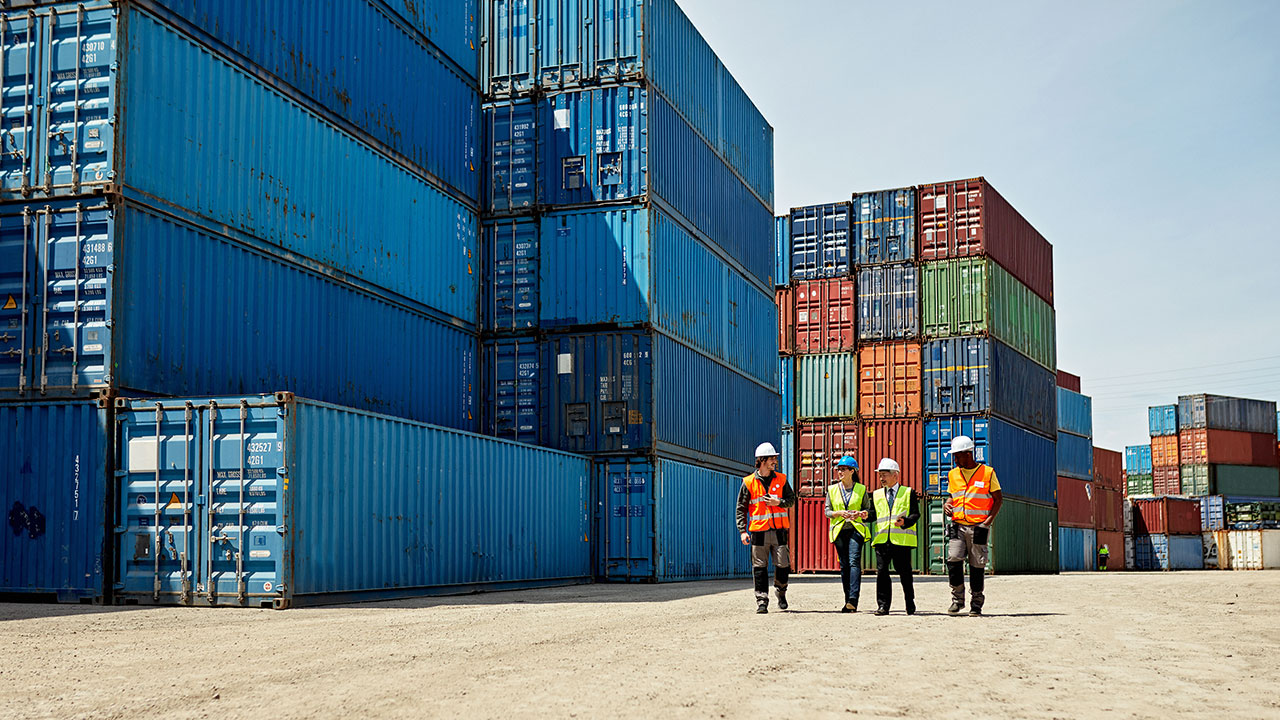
<point x="1219" y="412"/>
<point x="977" y="374"/>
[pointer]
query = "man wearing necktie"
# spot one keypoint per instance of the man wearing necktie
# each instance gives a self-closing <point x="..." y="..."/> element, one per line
<point x="896" y="511"/>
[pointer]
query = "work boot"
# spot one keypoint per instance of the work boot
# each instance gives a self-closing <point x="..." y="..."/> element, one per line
<point x="782" y="599"/>
<point x="762" y="607"/>
<point x="849" y="607"/>
<point x="956" y="607"/>
<point x="975" y="611"/>
<point x="882" y="611"/>
<point x="911" y="608"/>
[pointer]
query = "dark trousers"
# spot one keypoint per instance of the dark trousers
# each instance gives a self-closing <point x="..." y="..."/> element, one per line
<point x="901" y="558"/>
<point x="849" y="550"/>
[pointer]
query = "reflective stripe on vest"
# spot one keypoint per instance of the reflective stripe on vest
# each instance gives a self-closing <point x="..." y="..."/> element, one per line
<point x="836" y="497"/>
<point x="886" y="531"/>
<point x="972" y="506"/>
<point x="763" y="516"/>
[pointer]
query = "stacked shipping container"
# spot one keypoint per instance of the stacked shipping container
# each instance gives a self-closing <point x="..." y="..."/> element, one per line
<point x="1077" y="490"/>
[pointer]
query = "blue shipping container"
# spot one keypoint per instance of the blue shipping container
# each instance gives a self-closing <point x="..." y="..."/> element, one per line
<point x="787" y="459"/>
<point x="1075" y="456"/>
<point x="884" y="226"/>
<point x="647" y="269"/>
<point x="1137" y="459"/>
<point x="512" y="388"/>
<point x="1212" y="513"/>
<point x="511" y="156"/>
<point x="820" y="241"/>
<point x="1163" y="420"/>
<point x="636" y="391"/>
<point x="207" y="513"/>
<point x="1075" y="413"/>
<point x="511" y="275"/>
<point x="782" y="239"/>
<point x="124" y="297"/>
<point x="977" y="374"/>
<point x="663" y="520"/>
<point x="55" y="462"/>
<point x="1077" y="549"/>
<point x="786" y="387"/>
<point x="1024" y="461"/>
<point x="569" y="44"/>
<point x="888" y="303"/>
<point x="253" y="159"/>
<point x="1168" y="552"/>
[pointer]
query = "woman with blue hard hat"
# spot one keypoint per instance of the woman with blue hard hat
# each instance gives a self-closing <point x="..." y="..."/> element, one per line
<point x="848" y="505"/>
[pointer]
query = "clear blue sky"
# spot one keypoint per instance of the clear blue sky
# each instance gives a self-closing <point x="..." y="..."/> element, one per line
<point x="1142" y="138"/>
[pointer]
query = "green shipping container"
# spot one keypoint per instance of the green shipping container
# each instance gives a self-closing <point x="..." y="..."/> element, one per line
<point x="975" y="296"/>
<point x="919" y="558"/>
<point x="827" y="385"/>
<point x="1194" y="479"/>
<point x="1243" y="480"/>
<point x="1024" y="539"/>
<point x="1141" y="485"/>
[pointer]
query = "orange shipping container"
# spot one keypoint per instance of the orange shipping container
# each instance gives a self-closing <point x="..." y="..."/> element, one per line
<point x="786" y="299"/>
<point x="811" y="551"/>
<point x="1164" y="451"/>
<point x="890" y="380"/>
<point x="902" y="440"/>
<point x="1108" y="468"/>
<point x="825" y="315"/>
<point x="821" y="444"/>
<point x="1108" y="508"/>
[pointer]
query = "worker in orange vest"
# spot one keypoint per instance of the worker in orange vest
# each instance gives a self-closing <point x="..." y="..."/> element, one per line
<point x="764" y="524"/>
<point x="974" y="501"/>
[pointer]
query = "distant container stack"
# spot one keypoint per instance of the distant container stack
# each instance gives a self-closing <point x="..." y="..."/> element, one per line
<point x="1077" y="490"/>
<point x="630" y="279"/>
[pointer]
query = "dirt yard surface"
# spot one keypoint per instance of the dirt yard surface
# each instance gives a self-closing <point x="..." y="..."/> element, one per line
<point x="1203" y="644"/>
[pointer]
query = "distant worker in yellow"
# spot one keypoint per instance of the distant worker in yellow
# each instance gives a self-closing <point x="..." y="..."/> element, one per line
<point x="973" y="504"/>
<point x="848" y="505"/>
<point x="1104" y="554"/>
<point x="764" y="525"/>
<point x="896" y="512"/>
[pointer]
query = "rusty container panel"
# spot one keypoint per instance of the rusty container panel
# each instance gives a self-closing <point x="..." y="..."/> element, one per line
<point x="889" y="384"/>
<point x="811" y="548"/>
<point x="1069" y="381"/>
<point x="1167" y="481"/>
<point x="820" y="445"/>
<point x="1108" y="468"/>
<point x="1166" y="515"/>
<point x="1108" y="508"/>
<point x="1198" y="446"/>
<point x="786" y="299"/>
<point x="1113" y="541"/>
<point x="1164" y="452"/>
<point x="825" y="312"/>
<point x="901" y="440"/>
<point x="1075" y="503"/>
<point x="968" y="217"/>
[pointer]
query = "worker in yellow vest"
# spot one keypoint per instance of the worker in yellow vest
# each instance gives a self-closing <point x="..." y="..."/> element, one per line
<point x="974" y="501"/>
<point x="895" y="514"/>
<point x="764" y="524"/>
<point x="848" y="505"/>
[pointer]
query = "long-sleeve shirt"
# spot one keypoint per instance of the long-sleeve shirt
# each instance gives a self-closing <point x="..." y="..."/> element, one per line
<point x="866" y="505"/>
<point x="913" y="510"/>
<point x="744" y="502"/>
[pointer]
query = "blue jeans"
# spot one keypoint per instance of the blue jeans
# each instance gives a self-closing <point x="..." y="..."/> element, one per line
<point x="849" y="550"/>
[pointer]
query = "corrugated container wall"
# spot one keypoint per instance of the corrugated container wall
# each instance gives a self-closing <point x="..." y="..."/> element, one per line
<point x="1024" y="539"/>
<point x="827" y="386"/>
<point x="785" y="299"/>
<point x="1068" y="380"/>
<point x="1113" y="541"/>
<point x="1218" y="412"/>
<point x="1075" y="503"/>
<point x="820" y="241"/>
<point x="1075" y="413"/>
<point x="1213" y="513"/>
<point x="1075" y="456"/>
<point x="513" y="389"/>
<point x="1254" y="549"/>
<point x="1240" y="480"/>
<point x="1024" y="461"/>
<point x="1162" y="420"/>
<point x="1077" y="549"/>
<point x="786" y="388"/>
<point x="366" y="523"/>
<point x="1193" y="480"/>
<point x="1140" y="485"/>
<point x="1137" y="459"/>
<point x="884" y="226"/>
<point x="787" y="455"/>
<point x="260" y="321"/>
<point x="819" y="446"/>
<point x="978" y="375"/>
<point x="888" y="303"/>
<point x="1108" y="468"/>
<point x="273" y="177"/>
<point x="1168" y="552"/>
<point x="968" y="217"/>
<point x="54" y="487"/>
<point x="826" y="315"/>
<point x="1164" y="452"/>
<point x="900" y="440"/>
<point x="811" y="546"/>
<point x="889" y="384"/>
<point x="782" y="249"/>
<point x="510" y="287"/>
<point x="1108" y="508"/>
<point x="1166" y="481"/>
<point x="1166" y="515"/>
<point x="1198" y="446"/>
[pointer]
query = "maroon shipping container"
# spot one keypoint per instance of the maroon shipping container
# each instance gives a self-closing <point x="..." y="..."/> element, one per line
<point x="968" y="217"/>
<point x="1114" y="540"/>
<point x="820" y="445"/>
<point x="1166" y="516"/>
<point x="1075" y="502"/>
<point x="1108" y="508"/>
<point x="1108" y="468"/>
<point x="1068" y="381"/>
<point x="786" y="299"/>
<point x="902" y="440"/>
<point x="1167" y="481"/>
<point x="1199" y="446"/>
<point x="811" y="548"/>
<point x="825" y="315"/>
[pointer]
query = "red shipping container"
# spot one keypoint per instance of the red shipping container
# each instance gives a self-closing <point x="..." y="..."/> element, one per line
<point x="825" y="315"/>
<point x="786" y="299"/>
<point x="1075" y="503"/>
<point x="1108" y="468"/>
<point x="1108" y="508"/>
<point x="1167" y="481"/>
<point x="902" y="440"/>
<point x="1114" y="540"/>
<point x="968" y="217"/>
<point x="1068" y="381"/>
<point x="820" y="445"/>
<point x="811" y="550"/>
<point x="1226" y="447"/>
<point x="1166" y="516"/>
<point x="1164" y="451"/>
<point x="889" y="384"/>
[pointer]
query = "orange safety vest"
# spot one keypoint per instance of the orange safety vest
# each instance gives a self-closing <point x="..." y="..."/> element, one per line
<point x="767" y="517"/>
<point x="972" y="506"/>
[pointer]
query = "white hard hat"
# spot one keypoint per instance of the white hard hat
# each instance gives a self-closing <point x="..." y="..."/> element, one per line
<point x="888" y="464"/>
<point x="961" y="443"/>
<point x="765" y="450"/>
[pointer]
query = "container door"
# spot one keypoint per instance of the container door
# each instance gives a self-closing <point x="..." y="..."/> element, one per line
<point x="17" y="273"/>
<point x="626" y="547"/>
<point x="20" y="53"/>
<point x="159" y="503"/>
<point x="77" y="82"/>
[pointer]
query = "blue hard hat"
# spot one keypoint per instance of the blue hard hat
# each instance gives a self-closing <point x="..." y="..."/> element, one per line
<point x="847" y="461"/>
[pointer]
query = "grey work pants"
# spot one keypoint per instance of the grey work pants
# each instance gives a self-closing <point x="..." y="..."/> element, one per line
<point x="760" y="555"/>
<point x="967" y="543"/>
